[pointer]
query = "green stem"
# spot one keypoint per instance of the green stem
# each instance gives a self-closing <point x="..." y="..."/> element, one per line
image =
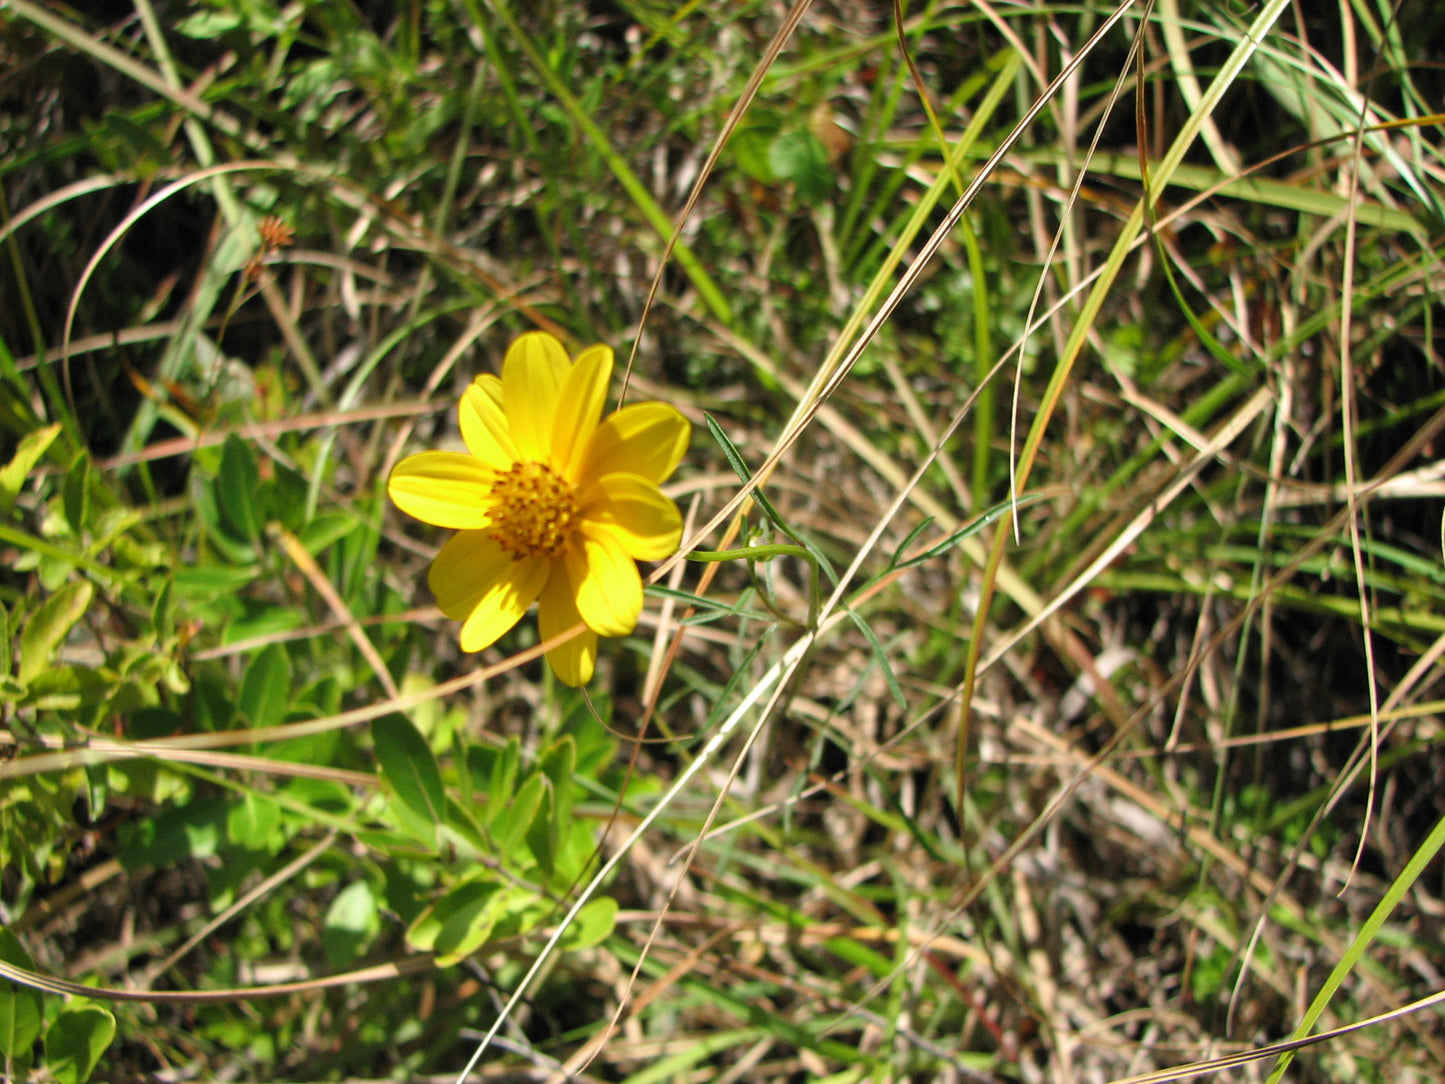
<point x="766" y="553"/>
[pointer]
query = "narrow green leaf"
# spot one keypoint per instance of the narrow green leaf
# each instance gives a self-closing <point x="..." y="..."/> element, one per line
<point x="740" y="467"/>
<point x="266" y="688"/>
<point x="49" y="626"/>
<point x="968" y="530"/>
<point x="213" y="581"/>
<point x="425" y="928"/>
<point x="408" y="765"/>
<point x="75" y="1042"/>
<point x="548" y="832"/>
<point x="462" y="822"/>
<point x="907" y="543"/>
<point x="744" y="473"/>
<point x="58" y="688"/>
<point x="881" y="656"/>
<point x="163" y="612"/>
<point x="713" y="608"/>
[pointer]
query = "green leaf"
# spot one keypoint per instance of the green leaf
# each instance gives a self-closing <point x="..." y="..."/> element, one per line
<point x="744" y="472"/>
<point x="409" y="767"/>
<point x="750" y="147"/>
<point x="512" y="826"/>
<point x="593" y="924"/>
<point x="463" y="823"/>
<point x="59" y="688"/>
<point x="21" y="1007"/>
<point x="740" y="467"/>
<point x="797" y="155"/>
<point x="76" y="492"/>
<point x="209" y="582"/>
<point x="547" y="834"/>
<point x="193" y="830"/>
<point x="49" y="626"/>
<point x="504" y="779"/>
<point x="236" y="487"/>
<point x="881" y="656"/>
<point x="206" y="25"/>
<point x="463" y="917"/>
<point x="253" y="822"/>
<point x="969" y="529"/>
<point x="163" y="612"/>
<point x="6" y="642"/>
<point x="75" y="1042"/>
<point x="14" y="473"/>
<point x="325" y="529"/>
<point x="266" y="688"/>
<point x="352" y="921"/>
<point x="468" y="918"/>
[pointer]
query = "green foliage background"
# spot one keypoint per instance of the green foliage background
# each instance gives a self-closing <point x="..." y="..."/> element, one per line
<point x="1064" y="706"/>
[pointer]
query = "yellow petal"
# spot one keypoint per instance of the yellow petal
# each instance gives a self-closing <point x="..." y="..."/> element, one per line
<point x="532" y="375"/>
<point x="573" y="661"/>
<point x="607" y="586"/>
<point x="633" y="512"/>
<point x="644" y="438"/>
<point x="477" y="581"/>
<point x="583" y="395"/>
<point x="484" y="426"/>
<point x="468" y="566"/>
<point x="448" y="489"/>
<point x="490" y="386"/>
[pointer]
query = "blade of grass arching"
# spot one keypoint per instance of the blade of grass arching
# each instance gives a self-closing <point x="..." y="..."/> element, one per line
<point x="237" y="244"/>
<point x="1398" y="887"/>
<point x="710" y="292"/>
<point x="1334" y="110"/>
<point x="205" y="296"/>
<point x="1083" y="326"/>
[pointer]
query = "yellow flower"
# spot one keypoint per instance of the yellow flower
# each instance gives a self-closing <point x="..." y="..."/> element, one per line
<point x="552" y="505"/>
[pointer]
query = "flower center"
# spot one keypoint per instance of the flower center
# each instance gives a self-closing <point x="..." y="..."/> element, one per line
<point x="534" y="512"/>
